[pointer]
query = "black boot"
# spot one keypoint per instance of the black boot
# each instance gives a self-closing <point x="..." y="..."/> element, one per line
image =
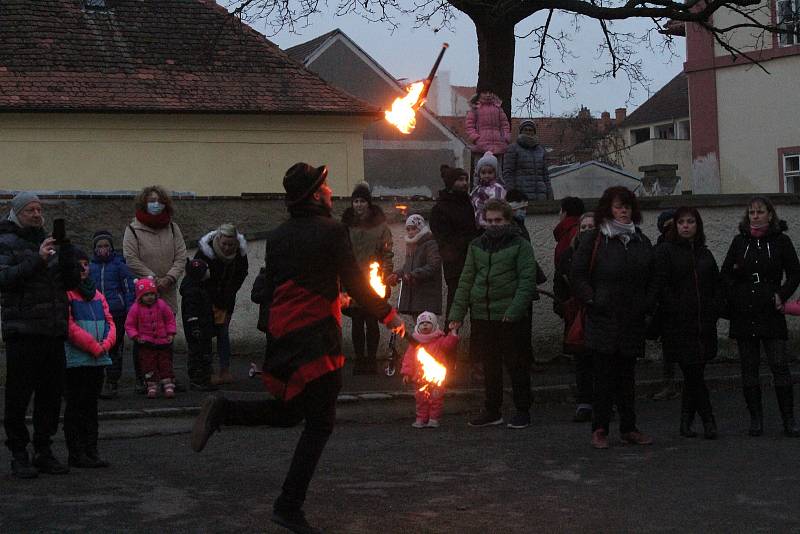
<point x="91" y="451"/>
<point x="709" y="426"/>
<point x="294" y="520"/>
<point x="785" y="396"/>
<point x="752" y="396"/>
<point x="21" y="465"/>
<point x="687" y="415"/>
<point x="45" y="462"/>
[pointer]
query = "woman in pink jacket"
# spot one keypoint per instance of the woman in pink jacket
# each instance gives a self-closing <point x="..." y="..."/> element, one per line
<point x="151" y="325"/>
<point x="430" y="402"/>
<point x="487" y="126"/>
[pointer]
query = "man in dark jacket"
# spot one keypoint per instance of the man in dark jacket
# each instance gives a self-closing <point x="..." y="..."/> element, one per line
<point x="309" y="257"/>
<point x="453" y="226"/>
<point x="35" y="273"/>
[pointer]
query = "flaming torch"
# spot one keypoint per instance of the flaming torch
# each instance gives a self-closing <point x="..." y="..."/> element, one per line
<point x="375" y="280"/>
<point x="404" y="110"/>
<point x="433" y="372"/>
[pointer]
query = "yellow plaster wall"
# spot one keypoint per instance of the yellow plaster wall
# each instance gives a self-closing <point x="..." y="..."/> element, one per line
<point x="204" y="154"/>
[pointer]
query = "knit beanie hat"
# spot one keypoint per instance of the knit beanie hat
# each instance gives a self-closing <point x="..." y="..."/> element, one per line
<point x="427" y="317"/>
<point x="196" y="269"/>
<point x="362" y="191"/>
<point x="144" y="286"/>
<point x="451" y="174"/>
<point x="99" y="236"/>
<point x="416" y="220"/>
<point x="664" y="217"/>
<point x="22" y="199"/>
<point x="527" y="122"/>
<point x="301" y="180"/>
<point x="488" y="159"/>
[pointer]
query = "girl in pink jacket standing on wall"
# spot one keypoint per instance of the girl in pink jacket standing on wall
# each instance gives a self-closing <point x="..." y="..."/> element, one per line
<point x="487" y="126"/>
<point x="151" y="325"/>
<point x="439" y="345"/>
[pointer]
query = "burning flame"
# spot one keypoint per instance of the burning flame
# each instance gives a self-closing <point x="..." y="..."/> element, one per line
<point x="401" y="208"/>
<point x="433" y="372"/>
<point x="403" y="112"/>
<point x="375" y="280"/>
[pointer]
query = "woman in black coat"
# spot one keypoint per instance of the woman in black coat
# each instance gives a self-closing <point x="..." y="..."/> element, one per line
<point x="688" y="292"/>
<point x="611" y="276"/>
<point x="761" y="272"/>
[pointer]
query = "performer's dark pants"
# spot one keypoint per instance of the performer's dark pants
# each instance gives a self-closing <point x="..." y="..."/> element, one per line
<point x="317" y="405"/>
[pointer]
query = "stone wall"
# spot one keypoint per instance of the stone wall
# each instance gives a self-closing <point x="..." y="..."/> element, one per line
<point x="721" y="215"/>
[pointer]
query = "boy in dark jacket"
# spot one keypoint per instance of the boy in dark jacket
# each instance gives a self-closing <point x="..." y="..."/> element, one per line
<point x="198" y="324"/>
<point x="114" y="279"/>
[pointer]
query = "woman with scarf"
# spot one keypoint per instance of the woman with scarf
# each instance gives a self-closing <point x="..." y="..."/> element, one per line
<point x="611" y="276"/>
<point x="225" y="252"/>
<point x="525" y="165"/>
<point x="496" y="287"/>
<point x="421" y="274"/>
<point x="761" y="271"/>
<point x="372" y="242"/>
<point x="688" y="291"/>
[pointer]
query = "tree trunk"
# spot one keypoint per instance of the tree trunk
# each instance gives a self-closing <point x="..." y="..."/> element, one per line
<point x="496" y="59"/>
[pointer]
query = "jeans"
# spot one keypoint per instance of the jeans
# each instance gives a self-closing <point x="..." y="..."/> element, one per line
<point x="224" y="345"/>
<point x="363" y="321"/>
<point x="81" y="390"/>
<point x="496" y="343"/>
<point x="317" y="405"/>
<point x="750" y="359"/>
<point x="614" y="376"/>
<point x="34" y="367"/>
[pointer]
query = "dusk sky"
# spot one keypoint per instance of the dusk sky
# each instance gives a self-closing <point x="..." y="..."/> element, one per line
<point x="410" y="53"/>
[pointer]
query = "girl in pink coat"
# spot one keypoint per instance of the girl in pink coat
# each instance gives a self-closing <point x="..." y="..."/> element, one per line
<point x="487" y="125"/>
<point x="439" y="345"/>
<point x="151" y="325"/>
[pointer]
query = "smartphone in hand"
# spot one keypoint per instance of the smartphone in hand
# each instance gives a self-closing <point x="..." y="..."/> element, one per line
<point x="59" y="230"/>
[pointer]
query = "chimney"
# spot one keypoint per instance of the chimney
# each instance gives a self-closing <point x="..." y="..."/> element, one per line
<point x="584" y="113"/>
<point x="605" y="121"/>
<point x="620" y="113"/>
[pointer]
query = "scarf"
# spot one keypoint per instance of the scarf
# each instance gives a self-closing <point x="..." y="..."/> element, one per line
<point x="759" y="231"/>
<point x="427" y="338"/>
<point x="153" y="221"/>
<point x="494" y="237"/>
<point x="624" y="232"/>
<point x="86" y="288"/>
<point x="527" y="141"/>
<point x="218" y="250"/>
<point x="425" y="230"/>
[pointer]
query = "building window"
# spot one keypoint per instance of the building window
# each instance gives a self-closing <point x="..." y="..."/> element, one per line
<point x="640" y="136"/>
<point x="791" y="172"/>
<point x="684" y="131"/>
<point x="665" y="131"/>
<point x="788" y="12"/>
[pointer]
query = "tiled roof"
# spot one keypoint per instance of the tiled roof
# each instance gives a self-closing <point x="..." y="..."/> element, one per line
<point x="670" y="102"/>
<point x="302" y="51"/>
<point x="151" y="56"/>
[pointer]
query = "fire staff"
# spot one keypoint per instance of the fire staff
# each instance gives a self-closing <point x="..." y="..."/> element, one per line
<point x="308" y="258"/>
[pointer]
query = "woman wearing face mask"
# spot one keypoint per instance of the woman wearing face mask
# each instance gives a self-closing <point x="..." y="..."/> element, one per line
<point x="525" y="165"/>
<point x="761" y="271"/>
<point x="153" y="244"/>
<point x="688" y="292"/>
<point x="225" y="252"/>
<point x="372" y="242"/>
<point x="611" y="275"/>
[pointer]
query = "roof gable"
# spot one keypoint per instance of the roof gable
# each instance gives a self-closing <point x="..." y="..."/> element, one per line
<point x="670" y="102"/>
<point x="151" y="56"/>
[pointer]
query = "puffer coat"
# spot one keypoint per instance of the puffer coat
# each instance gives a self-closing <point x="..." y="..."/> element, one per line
<point x="498" y="280"/>
<point x="33" y="293"/>
<point x="525" y="169"/>
<point x="754" y="270"/>
<point x="226" y="277"/>
<point x="688" y="292"/>
<point x="487" y="126"/>
<point x="617" y="290"/>
<point x="421" y="289"/>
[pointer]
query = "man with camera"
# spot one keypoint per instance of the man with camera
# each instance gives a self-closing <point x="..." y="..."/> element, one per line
<point x="35" y="273"/>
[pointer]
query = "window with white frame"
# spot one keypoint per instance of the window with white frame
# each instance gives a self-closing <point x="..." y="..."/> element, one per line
<point x="791" y="172"/>
<point x="788" y="18"/>
<point x="665" y="131"/>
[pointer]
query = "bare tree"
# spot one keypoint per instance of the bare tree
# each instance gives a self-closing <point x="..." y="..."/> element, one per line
<point x="495" y="22"/>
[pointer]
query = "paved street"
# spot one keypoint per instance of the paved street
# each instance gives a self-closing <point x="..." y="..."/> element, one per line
<point x="380" y="475"/>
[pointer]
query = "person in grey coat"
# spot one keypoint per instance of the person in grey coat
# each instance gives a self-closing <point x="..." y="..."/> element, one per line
<point x="525" y="165"/>
<point x="421" y="274"/>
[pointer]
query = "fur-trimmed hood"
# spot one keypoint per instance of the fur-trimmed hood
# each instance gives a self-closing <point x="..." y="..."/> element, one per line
<point x="205" y="244"/>
<point x="487" y="98"/>
<point x="375" y="216"/>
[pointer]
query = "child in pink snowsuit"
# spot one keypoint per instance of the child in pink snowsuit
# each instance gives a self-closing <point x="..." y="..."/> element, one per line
<point x="429" y="403"/>
<point x="487" y="126"/>
<point x="151" y="325"/>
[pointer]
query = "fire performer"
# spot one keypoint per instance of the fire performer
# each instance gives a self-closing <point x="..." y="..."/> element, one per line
<point x="307" y="258"/>
<point x="429" y="398"/>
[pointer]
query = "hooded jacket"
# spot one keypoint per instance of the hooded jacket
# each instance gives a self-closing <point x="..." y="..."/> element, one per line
<point x="525" y="169"/>
<point x="754" y="270"/>
<point x="114" y="279"/>
<point x="226" y="278"/>
<point x="151" y="324"/>
<point x="487" y="126"/>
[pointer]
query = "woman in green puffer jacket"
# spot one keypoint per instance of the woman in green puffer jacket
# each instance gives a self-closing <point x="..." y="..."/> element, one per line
<point x="496" y="286"/>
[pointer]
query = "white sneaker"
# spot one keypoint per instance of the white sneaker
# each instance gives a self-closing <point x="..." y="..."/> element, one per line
<point x="433" y="423"/>
<point x="419" y="423"/>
